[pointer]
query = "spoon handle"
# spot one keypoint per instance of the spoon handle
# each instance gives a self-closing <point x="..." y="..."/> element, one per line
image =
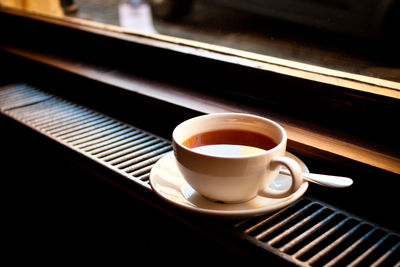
<point x="325" y="180"/>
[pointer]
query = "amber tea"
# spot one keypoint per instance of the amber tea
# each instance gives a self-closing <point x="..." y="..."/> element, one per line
<point x="229" y="142"/>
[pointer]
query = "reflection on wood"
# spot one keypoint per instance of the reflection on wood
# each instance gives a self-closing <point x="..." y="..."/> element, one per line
<point x="43" y="7"/>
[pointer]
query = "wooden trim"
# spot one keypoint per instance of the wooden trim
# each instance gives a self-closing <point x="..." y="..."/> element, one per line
<point x="315" y="73"/>
<point x="301" y="139"/>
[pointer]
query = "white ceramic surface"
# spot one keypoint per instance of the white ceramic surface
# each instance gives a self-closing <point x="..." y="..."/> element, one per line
<point x="168" y="183"/>
<point x="234" y="179"/>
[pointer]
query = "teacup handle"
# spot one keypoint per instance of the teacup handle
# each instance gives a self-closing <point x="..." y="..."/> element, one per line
<point x="296" y="174"/>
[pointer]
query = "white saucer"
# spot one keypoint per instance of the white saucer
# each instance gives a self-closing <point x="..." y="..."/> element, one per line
<point x="167" y="182"/>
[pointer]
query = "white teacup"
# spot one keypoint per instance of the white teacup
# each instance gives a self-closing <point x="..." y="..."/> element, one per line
<point x="231" y="177"/>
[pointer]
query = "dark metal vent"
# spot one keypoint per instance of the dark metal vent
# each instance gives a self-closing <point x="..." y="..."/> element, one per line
<point x="128" y="150"/>
<point x="311" y="233"/>
<point x="307" y="233"/>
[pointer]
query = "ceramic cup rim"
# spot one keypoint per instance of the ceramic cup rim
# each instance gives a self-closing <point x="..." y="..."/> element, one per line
<point x="282" y="141"/>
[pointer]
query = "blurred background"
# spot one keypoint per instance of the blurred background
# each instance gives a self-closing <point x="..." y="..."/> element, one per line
<point x="357" y="36"/>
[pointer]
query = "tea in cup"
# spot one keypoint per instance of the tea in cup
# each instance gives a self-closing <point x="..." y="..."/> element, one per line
<point x="233" y="157"/>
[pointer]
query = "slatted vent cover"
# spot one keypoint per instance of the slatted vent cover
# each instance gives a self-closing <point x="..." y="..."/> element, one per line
<point x="308" y="232"/>
<point x="312" y="233"/>
<point x="128" y="150"/>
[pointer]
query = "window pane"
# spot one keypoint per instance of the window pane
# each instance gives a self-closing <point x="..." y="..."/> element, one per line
<point x="356" y="36"/>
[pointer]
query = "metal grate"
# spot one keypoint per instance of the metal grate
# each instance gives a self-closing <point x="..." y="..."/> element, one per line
<point x="307" y="233"/>
<point x="128" y="150"/>
<point x="311" y="233"/>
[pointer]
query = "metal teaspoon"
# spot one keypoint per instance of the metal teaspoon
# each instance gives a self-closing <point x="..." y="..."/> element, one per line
<point x="325" y="180"/>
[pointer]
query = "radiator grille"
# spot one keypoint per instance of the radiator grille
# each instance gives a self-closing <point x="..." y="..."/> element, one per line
<point x="307" y="233"/>
<point x="312" y="233"/>
<point x="128" y="150"/>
